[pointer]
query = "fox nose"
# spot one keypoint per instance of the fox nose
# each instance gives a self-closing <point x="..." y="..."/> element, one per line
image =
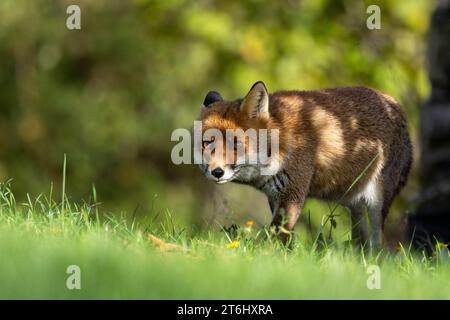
<point x="217" y="172"/>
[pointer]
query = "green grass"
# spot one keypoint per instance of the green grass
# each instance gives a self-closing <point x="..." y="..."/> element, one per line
<point x="41" y="238"/>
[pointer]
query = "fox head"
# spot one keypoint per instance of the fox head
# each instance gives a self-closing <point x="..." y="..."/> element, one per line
<point x="235" y="140"/>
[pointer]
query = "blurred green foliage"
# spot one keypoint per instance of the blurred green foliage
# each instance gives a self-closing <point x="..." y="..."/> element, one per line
<point x="110" y="94"/>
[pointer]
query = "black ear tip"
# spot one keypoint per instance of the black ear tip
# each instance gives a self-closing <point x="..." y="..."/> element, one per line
<point x="212" y="97"/>
<point x="259" y="83"/>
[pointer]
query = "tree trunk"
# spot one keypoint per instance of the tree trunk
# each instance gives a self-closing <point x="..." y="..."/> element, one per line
<point x="432" y="220"/>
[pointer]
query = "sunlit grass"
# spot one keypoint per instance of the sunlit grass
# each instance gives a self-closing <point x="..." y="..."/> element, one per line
<point x="156" y="258"/>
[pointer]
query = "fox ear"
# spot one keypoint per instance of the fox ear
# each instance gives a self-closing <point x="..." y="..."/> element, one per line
<point x="256" y="102"/>
<point x="212" y="97"/>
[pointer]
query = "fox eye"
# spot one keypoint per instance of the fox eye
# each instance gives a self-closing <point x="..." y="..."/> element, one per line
<point x="206" y="143"/>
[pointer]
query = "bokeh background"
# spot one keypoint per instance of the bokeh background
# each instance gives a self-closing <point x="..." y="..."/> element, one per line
<point x="109" y="95"/>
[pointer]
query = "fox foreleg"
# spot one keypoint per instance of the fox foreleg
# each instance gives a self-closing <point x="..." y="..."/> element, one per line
<point x="285" y="218"/>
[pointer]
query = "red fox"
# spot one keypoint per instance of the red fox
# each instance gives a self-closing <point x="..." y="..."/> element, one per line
<point x="327" y="140"/>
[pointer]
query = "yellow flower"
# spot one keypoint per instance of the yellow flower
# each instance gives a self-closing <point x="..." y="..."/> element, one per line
<point x="233" y="244"/>
<point x="249" y="223"/>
